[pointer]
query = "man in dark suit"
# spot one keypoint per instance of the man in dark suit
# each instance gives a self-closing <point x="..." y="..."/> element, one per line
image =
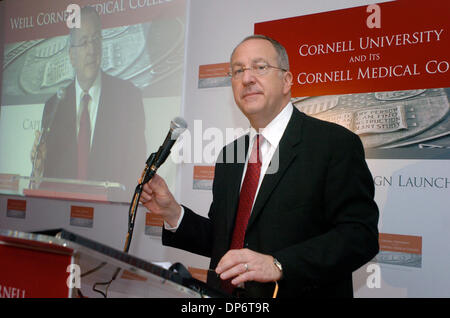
<point x="312" y="218"/>
<point x="113" y="126"/>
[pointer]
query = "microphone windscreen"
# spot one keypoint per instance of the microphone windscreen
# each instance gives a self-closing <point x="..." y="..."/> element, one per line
<point x="178" y="125"/>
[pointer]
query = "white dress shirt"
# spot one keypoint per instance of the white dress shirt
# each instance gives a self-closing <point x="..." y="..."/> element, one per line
<point x="272" y="134"/>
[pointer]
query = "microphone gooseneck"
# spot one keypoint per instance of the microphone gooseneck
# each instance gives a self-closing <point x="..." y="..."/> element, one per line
<point x="177" y="126"/>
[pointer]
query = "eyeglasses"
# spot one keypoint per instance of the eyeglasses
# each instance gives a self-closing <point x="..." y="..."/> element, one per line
<point x="96" y="40"/>
<point x="258" y="69"/>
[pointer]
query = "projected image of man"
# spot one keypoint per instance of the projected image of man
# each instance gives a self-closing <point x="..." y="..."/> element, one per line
<point x="96" y="128"/>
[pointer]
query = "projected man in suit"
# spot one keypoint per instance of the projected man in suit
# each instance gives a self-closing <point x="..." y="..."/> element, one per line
<point x="306" y="225"/>
<point x="97" y="125"/>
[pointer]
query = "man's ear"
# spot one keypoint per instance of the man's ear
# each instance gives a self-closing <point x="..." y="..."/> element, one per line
<point x="288" y="77"/>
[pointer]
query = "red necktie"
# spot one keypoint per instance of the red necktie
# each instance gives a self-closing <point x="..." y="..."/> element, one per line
<point x="246" y="198"/>
<point x="84" y="137"/>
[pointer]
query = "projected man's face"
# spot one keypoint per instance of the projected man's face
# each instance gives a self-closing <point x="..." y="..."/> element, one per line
<point x="86" y="50"/>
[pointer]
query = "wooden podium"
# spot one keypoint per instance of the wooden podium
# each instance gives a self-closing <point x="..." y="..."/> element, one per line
<point x="69" y="265"/>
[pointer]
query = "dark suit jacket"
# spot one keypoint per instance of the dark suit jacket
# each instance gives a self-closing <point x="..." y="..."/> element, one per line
<point x="316" y="215"/>
<point x="118" y="143"/>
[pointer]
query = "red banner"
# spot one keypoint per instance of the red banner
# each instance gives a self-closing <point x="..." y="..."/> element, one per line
<point x="391" y="46"/>
<point x="30" y="19"/>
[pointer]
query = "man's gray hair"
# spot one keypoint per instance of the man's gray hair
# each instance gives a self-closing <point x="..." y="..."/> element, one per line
<point x="283" y="59"/>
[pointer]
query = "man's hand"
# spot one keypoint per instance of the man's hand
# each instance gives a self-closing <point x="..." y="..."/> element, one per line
<point x="247" y="265"/>
<point x="157" y="197"/>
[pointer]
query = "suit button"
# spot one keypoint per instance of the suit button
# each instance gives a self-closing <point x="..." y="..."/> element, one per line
<point x="246" y="244"/>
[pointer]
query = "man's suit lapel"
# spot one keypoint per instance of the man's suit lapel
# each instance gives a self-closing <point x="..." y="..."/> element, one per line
<point x="286" y="152"/>
<point x="66" y="129"/>
<point x="63" y="162"/>
<point x="101" y="120"/>
<point x="101" y="148"/>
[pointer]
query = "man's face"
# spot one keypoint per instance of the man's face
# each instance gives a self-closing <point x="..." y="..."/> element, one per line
<point x="259" y="97"/>
<point x="86" y="50"/>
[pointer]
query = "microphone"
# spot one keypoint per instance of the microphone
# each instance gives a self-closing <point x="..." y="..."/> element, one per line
<point x="177" y="126"/>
